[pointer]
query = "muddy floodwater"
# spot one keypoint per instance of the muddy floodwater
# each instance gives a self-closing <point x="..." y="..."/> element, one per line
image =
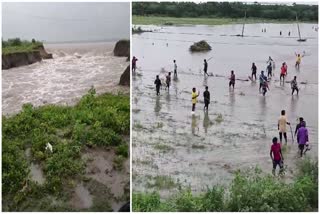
<point x="206" y="149"/>
<point x="65" y="78"/>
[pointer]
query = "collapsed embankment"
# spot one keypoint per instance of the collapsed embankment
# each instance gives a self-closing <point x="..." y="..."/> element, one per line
<point x="17" y="59"/>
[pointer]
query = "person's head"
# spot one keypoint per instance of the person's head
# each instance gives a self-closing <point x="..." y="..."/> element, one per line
<point x="232" y="72"/>
<point x="194" y="89"/>
<point x="205" y="60"/>
<point x="300" y="119"/>
<point x="206" y="88"/>
<point x="134" y="57"/>
<point x="169" y="73"/>
<point x="283" y="112"/>
<point x="274" y="140"/>
<point x="295" y="77"/>
<point x="298" y="55"/>
<point x="157" y="76"/>
<point x="269" y="63"/>
<point x="269" y="57"/>
<point x="174" y="61"/>
<point x="253" y="64"/>
<point x="262" y="72"/>
<point x="283" y="63"/>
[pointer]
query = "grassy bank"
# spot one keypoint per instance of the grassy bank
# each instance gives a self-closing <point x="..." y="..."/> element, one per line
<point x="101" y="122"/>
<point x="18" y="46"/>
<point x="249" y="191"/>
<point x="159" y="20"/>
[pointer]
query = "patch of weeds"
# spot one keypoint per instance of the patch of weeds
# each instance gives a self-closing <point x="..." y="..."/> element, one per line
<point x="159" y="125"/>
<point x="196" y="146"/>
<point x="219" y="118"/>
<point x="138" y="125"/>
<point x="163" y="147"/>
<point x="162" y="182"/>
<point x="122" y="150"/>
<point x="118" y="162"/>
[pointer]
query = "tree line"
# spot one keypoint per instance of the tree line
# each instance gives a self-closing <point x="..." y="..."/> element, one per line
<point x="226" y="10"/>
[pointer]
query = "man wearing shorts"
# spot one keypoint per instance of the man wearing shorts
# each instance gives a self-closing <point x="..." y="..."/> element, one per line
<point x="282" y="126"/>
<point x="283" y="72"/>
<point x="276" y="155"/>
<point x="206" y="96"/>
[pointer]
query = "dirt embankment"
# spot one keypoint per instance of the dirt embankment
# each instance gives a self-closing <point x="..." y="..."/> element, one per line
<point x="24" y="58"/>
<point x="125" y="77"/>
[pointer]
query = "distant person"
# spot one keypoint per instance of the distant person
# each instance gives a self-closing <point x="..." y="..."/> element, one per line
<point x="157" y="82"/>
<point x="303" y="137"/>
<point x="206" y="97"/>
<point x="265" y="30"/>
<point x="283" y="72"/>
<point x="289" y="33"/>
<point x="298" y="60"/>
<point x="294" y="85"/>
<point x="134" y="63"/>
<point x="232" y="79"/>
<point x="168" y="80"/>
<point x="194" y="96"/>
<point x="205" y="68"/>
<point x="262" y="79"/>
<point x="273" y="63"/>
<point x="269" y="69"/>
<point x="280" y="32"/>
<point x="301" y="121"/>
<point x="282" y="126"/>
<point x="254" y="71"/>
<point x="175" y="68"/>
<point x="276" y="155"/>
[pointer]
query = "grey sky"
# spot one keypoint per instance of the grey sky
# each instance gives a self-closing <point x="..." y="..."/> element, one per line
<point x="58" y="22"/>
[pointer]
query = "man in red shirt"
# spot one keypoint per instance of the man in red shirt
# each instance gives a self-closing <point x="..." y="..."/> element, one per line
<point x="283" y="72"/>
<point x="276" y="155"/>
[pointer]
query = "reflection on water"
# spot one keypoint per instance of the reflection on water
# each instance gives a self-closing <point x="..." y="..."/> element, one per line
<point x="157" y="107"/>
<point x="206" y="121"/>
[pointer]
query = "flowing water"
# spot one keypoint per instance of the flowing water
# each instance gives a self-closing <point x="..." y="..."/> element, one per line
<point x="205" y="149"/>
<point x="65" y="78"/>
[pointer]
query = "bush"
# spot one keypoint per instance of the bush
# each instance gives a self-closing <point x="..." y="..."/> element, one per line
<point x="200" y="46"/>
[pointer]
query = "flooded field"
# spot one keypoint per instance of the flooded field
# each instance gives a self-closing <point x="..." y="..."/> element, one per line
<point x="65" y="78"/>
<point x="172" y="148"/>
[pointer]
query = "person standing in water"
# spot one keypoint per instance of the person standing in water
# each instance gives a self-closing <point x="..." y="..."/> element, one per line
<point x="298" y="126"/>
<point x="294" y="85"/>
<point x="232" y="80"/>
<point x="168" y="80"/>
<point x="283" y="72"/>
<point x="206" y="97"/>
<point x="157" y="82"/>
<point x="205" y="68"/>
<point x="289" y="33"/>
<point x="276" y="155"/>
<point x="282" y="126"/>
<point x="262" y="80"/>
<point x="175" y="68"/>
<point x="298" y="60"/>
<point x="134" y="63"/>
<point x="280" y="32"/>
<point x="303" y="137"/>
<point x="254" y="71"/>
<point x="269" y="69"/>
<point x="194" y="96"/>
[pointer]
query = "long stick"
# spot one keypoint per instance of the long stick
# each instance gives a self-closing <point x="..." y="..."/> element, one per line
<point x="291" y="134"/>
<point x="245" y="15"/>
<point x="298" y="27"/>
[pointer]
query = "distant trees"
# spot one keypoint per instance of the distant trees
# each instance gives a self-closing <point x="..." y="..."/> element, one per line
<point x="226" y="9"/>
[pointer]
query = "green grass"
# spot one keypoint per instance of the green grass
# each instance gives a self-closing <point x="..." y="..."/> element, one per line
<point x="99" y="121"/>
<point x="17" y="46"/>
<point x="163" y="147"/>
<point x="249" y="191"/>
<point x="159" y="20"/>
<point x="162" y="182"/>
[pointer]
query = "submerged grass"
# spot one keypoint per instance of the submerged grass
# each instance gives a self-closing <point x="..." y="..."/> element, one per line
<point x="162" y="182"/>
<point x="161" y="20"/>
<point x="99" y="121"/>
<point x="249" y="191"/>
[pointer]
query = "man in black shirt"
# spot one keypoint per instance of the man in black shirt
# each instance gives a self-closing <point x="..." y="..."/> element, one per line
<point x="205" y="69"/>
<point x="206" y="96"/>
<point x="157" y="82"/>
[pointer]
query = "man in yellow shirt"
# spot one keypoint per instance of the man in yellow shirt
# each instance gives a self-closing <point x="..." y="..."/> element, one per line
<point x="282" y="126"/>
<point x="194" y="96"/>
<point x="298" y="61"/>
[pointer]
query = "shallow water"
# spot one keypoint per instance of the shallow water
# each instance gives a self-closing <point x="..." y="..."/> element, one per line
<point x="205" y="151"/>
<point x="65" y="78"/>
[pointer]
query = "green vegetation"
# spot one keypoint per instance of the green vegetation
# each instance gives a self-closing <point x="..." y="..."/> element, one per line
<point x="200" y="46"/>
<point x="232" y="10"/>
<point x="18" y="46"/>
<point x="163" y="147"/>
<point x="162" y="182"/>
<point x="96" y="121"/>
<point x="249" y="191"/>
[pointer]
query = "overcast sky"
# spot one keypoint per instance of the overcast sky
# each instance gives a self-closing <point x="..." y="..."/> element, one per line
<point x="59" y="22"/>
